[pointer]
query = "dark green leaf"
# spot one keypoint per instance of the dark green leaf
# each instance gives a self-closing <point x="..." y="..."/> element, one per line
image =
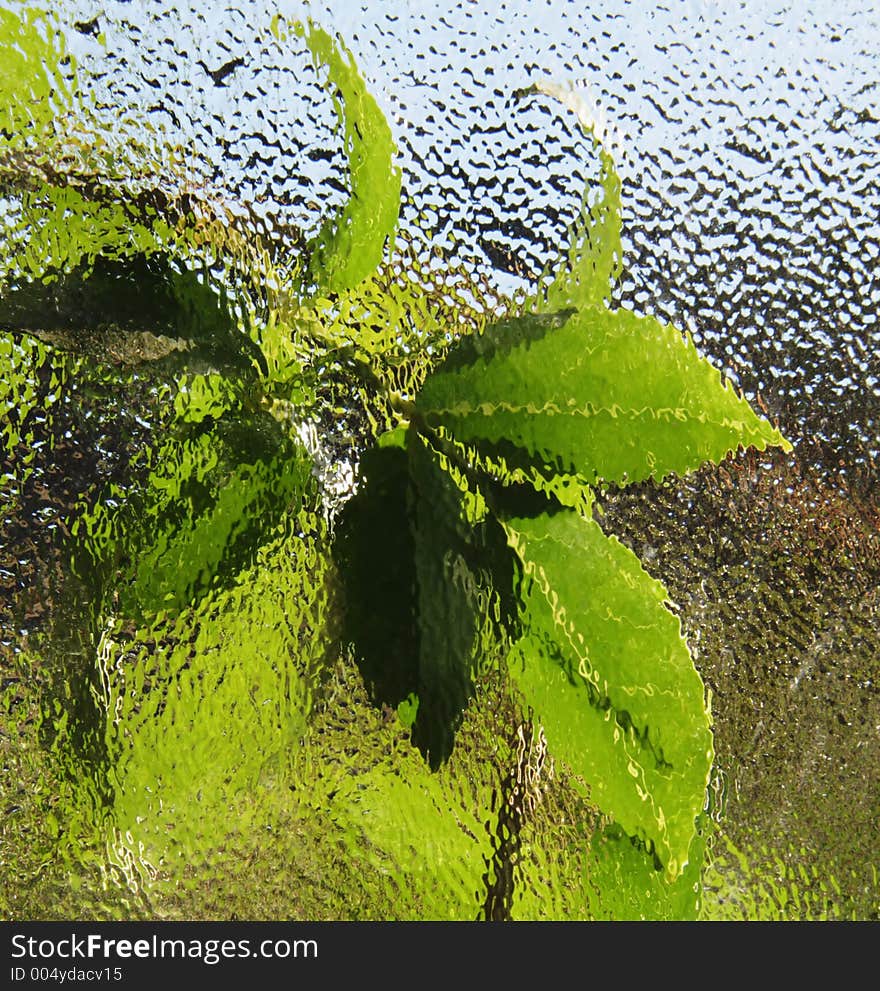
<point x="447" y="602"/>
<point x="420" y="563"/>
<point x="130" y="311"/>
<point x="375" y="552"/>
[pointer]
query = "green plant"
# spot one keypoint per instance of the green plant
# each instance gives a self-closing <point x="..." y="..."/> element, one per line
<point x="472" y="548"/>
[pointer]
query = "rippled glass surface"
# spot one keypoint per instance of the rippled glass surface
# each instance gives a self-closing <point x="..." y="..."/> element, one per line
<point x="439" y="461"/>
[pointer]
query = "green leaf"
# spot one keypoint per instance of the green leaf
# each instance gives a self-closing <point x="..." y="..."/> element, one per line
<point x="609" y="395"/>
<point x="350" y="245"/>
<point x="185" y="563"/>
<point x="131" y="310"/>
<point x="211" y="497"/>
<point x="421" y="561"/>
<point x="593" y="261"/>
<point x="34" y="91"/>
<point x="624" y="884"/>
<point x="204" y="711"/>
<point x="421" y="826"/>
<point x="607" y="671"/>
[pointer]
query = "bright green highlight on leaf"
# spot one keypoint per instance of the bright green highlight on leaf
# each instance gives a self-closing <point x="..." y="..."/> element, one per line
<point x="607" y="671"/>
<point x="408" y="709"/>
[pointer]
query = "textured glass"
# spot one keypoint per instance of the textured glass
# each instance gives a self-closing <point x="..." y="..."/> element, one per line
<point x="439" y="460"/>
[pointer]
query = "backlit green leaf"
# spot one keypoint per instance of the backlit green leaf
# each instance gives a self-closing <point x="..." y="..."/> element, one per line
<point x="419" y="826"/>
<point x="594" y="259"/>
<point x="203" y="711"/>
<point x="604" y="665"/>
<point x="609" y="395"/>
<point x="350" y="244"/>
<point x="623" y="882"/>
